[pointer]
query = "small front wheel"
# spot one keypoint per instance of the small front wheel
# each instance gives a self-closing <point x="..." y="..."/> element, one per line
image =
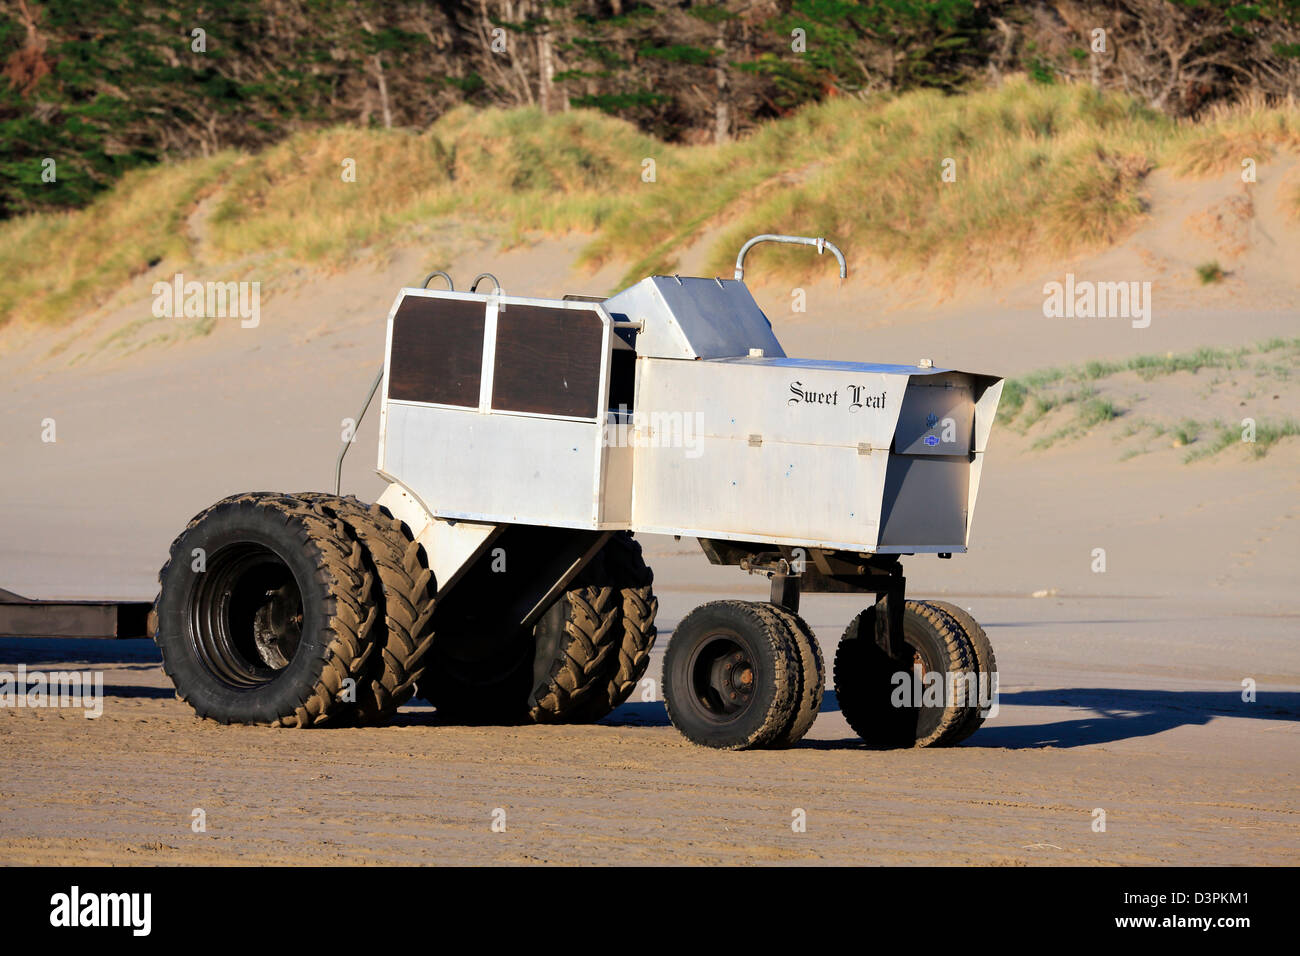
<point x="732" y="676"/>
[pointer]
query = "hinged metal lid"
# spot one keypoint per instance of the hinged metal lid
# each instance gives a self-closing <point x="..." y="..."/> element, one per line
<point x="690" y="318"/>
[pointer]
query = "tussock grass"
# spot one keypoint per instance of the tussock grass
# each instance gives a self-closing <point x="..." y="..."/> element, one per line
<point x="1030" y="399"/>
<point x="1075" y="159"/>
<point x="1090" y="410"/>
<point x="1291" y="195"/>
<point x="1018" y="390"/>
<point x="1187" y="432"/>
<point x="1094" y="411"/>
<point x="523" y="170"/>
<point x="1267" y="434"/>
<point x="1210" y="272"/>
<point x="56" y="264"/>
<point x="1230" y="134"/>
<point x="1039" y="169"/>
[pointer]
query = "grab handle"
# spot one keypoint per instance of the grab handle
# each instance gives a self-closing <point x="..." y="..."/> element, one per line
<point x="451" y="286"/>
<point x="473" y="286"/>
<point x="821" y="244"/>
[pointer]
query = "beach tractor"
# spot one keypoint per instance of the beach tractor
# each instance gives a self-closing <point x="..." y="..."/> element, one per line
<point x="525" y="441"/>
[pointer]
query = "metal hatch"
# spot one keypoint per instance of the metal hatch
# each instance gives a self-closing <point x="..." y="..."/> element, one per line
<point x="693" y="318"/>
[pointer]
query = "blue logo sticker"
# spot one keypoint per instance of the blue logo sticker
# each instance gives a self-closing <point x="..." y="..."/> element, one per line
<point x="931" y="420"/>
<point x="932" y="440"/>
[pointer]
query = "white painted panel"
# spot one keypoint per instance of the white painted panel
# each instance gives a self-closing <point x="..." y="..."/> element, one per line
<point x="986" y="410"/>
<point x="937" y="417"/>
<point x="767" y="450"/>
<point x="616" y="501"/>
<point x="783" y="451"/>
<point x="498" y="467"/>
<point x="451" y="546"/>
<point x="776" y="491"/>
<point x="779" y="400"/>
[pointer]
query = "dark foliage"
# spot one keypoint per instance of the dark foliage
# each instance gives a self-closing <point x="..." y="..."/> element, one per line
<point x="102" y="86"/>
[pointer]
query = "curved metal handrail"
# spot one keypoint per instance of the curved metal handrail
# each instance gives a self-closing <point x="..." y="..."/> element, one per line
<point x="822" y="245"/>
<point x="473" y="286"/>
<point x="451" y="286"/>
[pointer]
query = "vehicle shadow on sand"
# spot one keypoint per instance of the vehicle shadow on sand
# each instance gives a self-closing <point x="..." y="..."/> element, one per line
<point x="1126" y="714"/>
<point x="52" y="652"/>
<point x="83" y="656"/>
<point x="1113" y="715"/>
<point x="1110" y="714"/>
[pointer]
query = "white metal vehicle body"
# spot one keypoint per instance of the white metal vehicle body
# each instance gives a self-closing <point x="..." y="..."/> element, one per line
<point x="671" y="408"/>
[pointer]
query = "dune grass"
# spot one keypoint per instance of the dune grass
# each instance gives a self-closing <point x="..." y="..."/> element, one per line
<point x="517" y="168"/>
<point x="1035" y="167"/>
<point x="1231" y="134"/>
<point x="1210" y="272"/>
<point x="58" y="264"/>
<point x="1018" y="393"/>
<point x="1267" y="434"/>
<point x="1090" y="410"/>
<point x="1291" y="195"/>
<point x="1038" y="169"/>
<point x="1025" y="399"/>
<point x="1029" y="399"/>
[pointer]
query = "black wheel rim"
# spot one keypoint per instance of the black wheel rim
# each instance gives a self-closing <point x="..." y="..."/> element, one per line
<point x="246" y="615"/>
<point x="722" y="676"/>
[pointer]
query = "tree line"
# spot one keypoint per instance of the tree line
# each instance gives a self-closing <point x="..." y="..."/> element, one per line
<point x="103" y="86"/>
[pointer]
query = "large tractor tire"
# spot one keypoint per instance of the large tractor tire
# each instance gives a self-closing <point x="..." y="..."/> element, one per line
<point x="402" y="634"/>
<point x="866" y="681"/>
<point x="582" y="659"/>
<point x="265" y="612"/>
<point x="812" y="679"/>
<point x="588" y="679"/>
<point x="986" y="665"/>
<point x="732" y="676"/>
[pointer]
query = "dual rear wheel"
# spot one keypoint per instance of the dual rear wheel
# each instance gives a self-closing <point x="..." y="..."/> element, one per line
<point x="935" y="696"/>
<point x="316" y="609"/>
<point x="740" y="675"/>
<point x="266" y="612"/>
<point x="582" y="659"/>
